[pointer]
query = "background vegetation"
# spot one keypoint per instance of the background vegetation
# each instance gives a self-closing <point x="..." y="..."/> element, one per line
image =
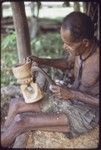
<point x="45" y="45"/>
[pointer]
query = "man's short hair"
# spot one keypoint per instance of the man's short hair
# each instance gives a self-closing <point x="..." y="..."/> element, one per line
<point x="80" y="25"/>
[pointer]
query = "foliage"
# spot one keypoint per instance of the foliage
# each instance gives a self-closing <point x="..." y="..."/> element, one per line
<point x="9" y="41"/>
<point x="46" y="46"/>
<point x="8" y="58"/>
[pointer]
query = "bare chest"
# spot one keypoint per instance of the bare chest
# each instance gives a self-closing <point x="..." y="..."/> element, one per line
<point x="87" y="74"/>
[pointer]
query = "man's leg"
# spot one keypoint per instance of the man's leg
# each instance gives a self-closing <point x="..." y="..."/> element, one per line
<point x="23" y="123"/>
<point x="18" y="106"/>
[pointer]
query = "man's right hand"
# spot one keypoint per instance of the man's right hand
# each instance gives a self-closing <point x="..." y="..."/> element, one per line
<point x="31" y="59"/>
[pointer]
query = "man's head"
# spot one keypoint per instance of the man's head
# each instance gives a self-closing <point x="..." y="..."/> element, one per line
<point x="76" y="31"/>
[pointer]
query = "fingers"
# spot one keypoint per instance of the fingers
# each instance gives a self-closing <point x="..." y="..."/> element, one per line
<point x="27" y="59"/>
<point x="56" y="90"/>
<point x="30" y="59"/>
<point x="58" y="95"/>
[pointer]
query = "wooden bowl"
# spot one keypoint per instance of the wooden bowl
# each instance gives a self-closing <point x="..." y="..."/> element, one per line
<point x="22" y="70"/>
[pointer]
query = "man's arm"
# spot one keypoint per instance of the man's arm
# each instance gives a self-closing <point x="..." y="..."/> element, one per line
<point x="70" y="94"/>
<point x="61" y="63"/>
<point x="85" y="98"/>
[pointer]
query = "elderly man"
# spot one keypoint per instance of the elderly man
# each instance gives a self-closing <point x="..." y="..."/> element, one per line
<point x="74" y="109"/>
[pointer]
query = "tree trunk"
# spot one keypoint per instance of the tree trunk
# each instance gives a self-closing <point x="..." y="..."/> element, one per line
<point x="21" y="28"/>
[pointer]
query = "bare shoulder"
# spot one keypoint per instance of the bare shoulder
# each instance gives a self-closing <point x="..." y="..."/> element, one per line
<point x="96" y="54"/>
<point x="91" y="69"/>
<point x="94" y="59"/>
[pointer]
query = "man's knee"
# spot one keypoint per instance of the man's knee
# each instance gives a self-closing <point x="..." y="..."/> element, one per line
<point x="15" y="102"/>
<point x="20" y="120"/>
<point x="17" y="118"/>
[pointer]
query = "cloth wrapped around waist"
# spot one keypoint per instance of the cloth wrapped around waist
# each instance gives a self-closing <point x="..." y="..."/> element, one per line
<point x="82" y="117"/>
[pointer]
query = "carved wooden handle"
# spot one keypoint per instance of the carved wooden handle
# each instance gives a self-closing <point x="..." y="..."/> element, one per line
<point x="31" y="93"/>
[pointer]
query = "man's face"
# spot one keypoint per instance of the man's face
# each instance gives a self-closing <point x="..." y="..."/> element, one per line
<point x="75" y="48"/>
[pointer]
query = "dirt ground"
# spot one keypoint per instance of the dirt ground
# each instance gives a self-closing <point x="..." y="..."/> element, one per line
<point x="41" y="139"/>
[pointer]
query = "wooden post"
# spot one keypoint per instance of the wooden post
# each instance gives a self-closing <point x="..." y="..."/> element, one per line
<point x="22" y="31"/>
<point x="24" y="50"/>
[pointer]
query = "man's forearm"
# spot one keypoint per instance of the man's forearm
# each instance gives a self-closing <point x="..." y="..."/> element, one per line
<point x="56" y="63"/>
<point x="85" y="98"/>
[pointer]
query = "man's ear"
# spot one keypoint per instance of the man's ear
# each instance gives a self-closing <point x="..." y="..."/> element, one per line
<point x="86" y="42"/>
